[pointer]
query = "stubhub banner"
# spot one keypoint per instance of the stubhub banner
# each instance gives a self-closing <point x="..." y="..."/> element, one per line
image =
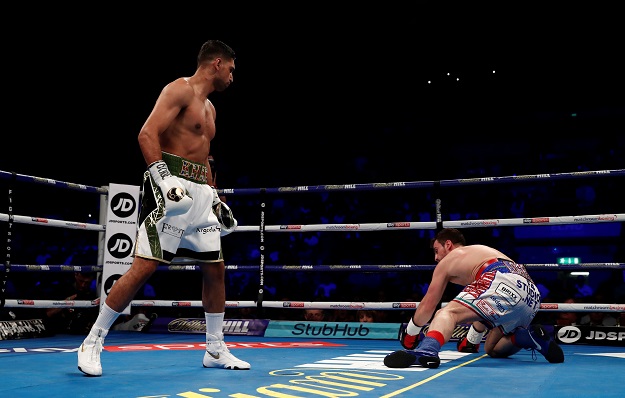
<point x="336" y="330"/>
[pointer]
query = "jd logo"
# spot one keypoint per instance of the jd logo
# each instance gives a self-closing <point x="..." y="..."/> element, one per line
<point x="110" y="281"/>
<point x="119" y="245"/>
<point x="123" y="205"/>
<point x="569" y="334"/>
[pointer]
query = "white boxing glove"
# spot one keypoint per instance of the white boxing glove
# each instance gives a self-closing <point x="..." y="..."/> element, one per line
<point x="176" y="200"/>
<point x="224" y="215"/>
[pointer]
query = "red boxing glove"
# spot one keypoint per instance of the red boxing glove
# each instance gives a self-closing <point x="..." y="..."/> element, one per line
<point x="409" y="341"/>
<point x="464" y="345"/>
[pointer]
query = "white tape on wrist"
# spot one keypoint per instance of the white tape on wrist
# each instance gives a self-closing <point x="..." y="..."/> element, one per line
<point x="413" y="329"/>
<point x="159" y="171"/>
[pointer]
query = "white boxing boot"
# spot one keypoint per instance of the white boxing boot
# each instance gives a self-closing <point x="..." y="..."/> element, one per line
<point x="217" y="355"/>
<point x="89" y="353"/>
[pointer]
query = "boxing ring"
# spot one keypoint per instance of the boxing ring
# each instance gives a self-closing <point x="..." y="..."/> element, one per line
<point x="159" y="364"/>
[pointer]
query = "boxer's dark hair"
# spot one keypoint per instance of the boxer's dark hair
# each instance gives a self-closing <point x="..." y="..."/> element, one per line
<point x="213" y="49"/>
<point x="455" y="236"/>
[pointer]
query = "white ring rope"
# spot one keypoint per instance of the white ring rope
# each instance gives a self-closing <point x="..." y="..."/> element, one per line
<point x="52" y="303"/>
<point x="49" y="222"/>
<point x="388" y="226"/>
<point x="556" y="307"/>
<point x="322" y="305"/>
<point x="49" y="181"/>
<point x="393" y="226"/>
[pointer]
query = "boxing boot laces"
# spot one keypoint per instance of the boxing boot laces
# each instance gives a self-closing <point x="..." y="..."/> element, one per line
<point x="89" y="353"/>
<point x="544" y="344"/>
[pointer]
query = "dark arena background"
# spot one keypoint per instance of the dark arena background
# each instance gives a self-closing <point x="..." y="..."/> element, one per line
<point x="347" y="139"/>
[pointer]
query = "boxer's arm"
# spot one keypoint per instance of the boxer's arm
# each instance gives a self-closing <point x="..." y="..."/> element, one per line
<point x="212" y="178"/>
<point x="173" y="98"/>
<point x="222" y="211"/>
<point x="224" y="215"/>
<point x="412" y="335"/>
<point x="433" y="296"/>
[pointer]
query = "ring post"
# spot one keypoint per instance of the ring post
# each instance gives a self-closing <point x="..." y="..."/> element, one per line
<point x="7" y="263"/>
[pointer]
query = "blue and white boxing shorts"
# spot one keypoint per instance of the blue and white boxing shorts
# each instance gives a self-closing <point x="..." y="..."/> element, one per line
<point x="503" y="294"/>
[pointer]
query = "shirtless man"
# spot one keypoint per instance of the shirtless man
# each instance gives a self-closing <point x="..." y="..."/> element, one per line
<point x="499" y="295"/>
<point x="181" y="213"/>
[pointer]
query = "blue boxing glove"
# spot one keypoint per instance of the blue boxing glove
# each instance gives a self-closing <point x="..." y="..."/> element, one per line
<point x="224" y="215"/>
<point x="177" y="202"/>
<point x="411" y="336"/>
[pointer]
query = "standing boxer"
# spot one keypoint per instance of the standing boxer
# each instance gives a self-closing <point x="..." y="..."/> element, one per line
<point x="498" y="294"/>
<point x="181" y="214"/>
